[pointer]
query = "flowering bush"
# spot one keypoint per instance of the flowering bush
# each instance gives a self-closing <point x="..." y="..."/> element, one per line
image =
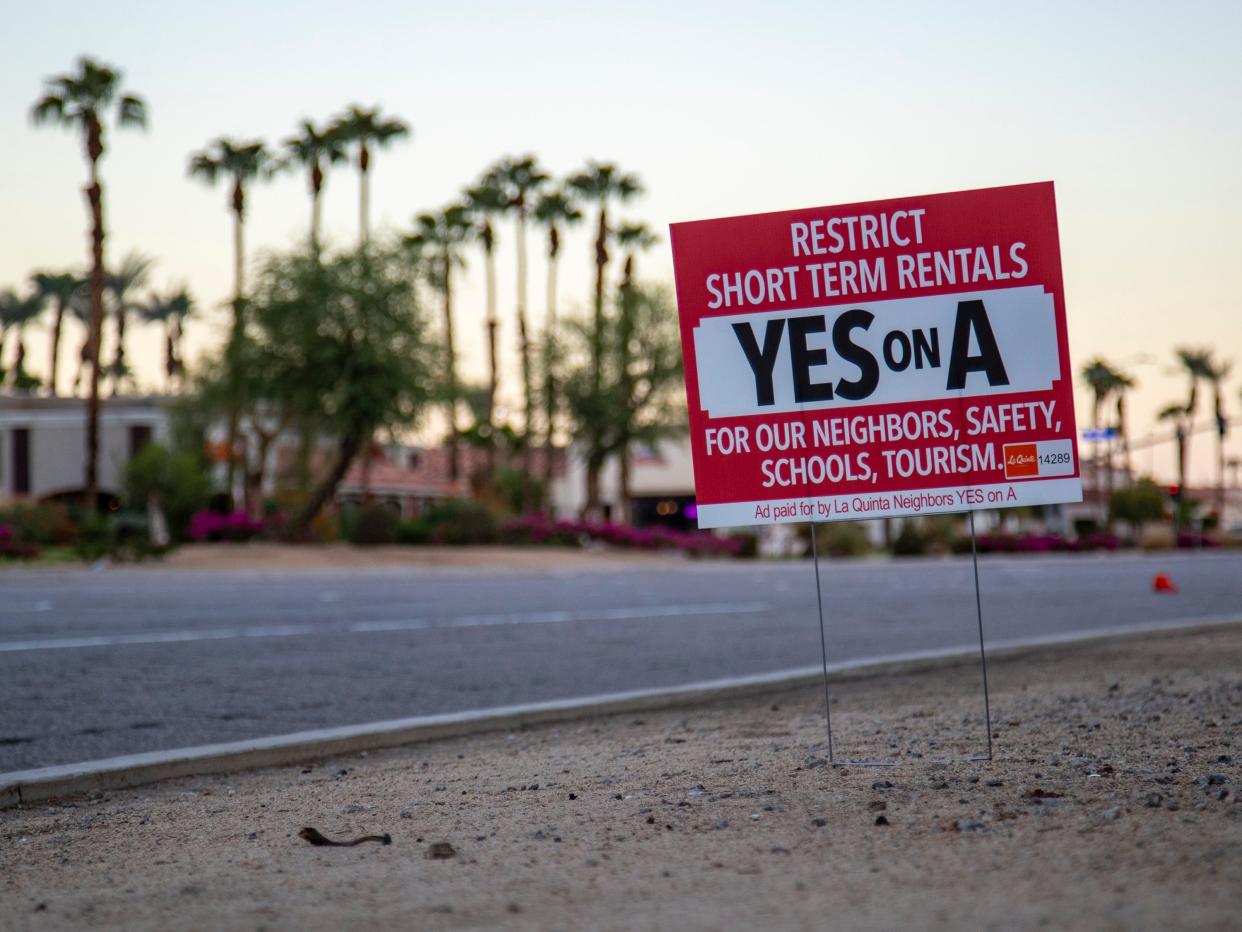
<point x="215" y="526"/>
<point x="539" y="529"/>
<point x="13" y="549"/>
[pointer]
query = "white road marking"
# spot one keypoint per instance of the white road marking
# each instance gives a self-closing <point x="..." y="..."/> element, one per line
<point x="636" y="613"/>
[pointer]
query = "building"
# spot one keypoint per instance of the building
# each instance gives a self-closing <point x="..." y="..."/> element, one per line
<point x="43" y="443"/>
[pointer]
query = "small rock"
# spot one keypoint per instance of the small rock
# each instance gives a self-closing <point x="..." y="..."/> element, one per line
<point x="882" y="785"/>
<point x="651" y="820"/>
<point x="573" y="795"/>
<point x="696" y="790"/>
<point x="881" y="820"/>
<point x="1214" y="779"/>
<point x="1153" y="800"/>
<point x="721" y="823"/>
<point x="406" y="814"/>
<point x="811" y="762"/>
<point x="440" y="851"/>
<point x="996" y="783"/>
<point x="1111" y="814"/>
<point x="777" y="849"/>
<point x="939" y="785"/>
<point x="819" y="822"/>
<point x="877" y="805"/>
<point x="968" y="825"/>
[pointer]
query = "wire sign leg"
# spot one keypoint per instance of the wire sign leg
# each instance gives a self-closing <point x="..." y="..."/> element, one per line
<point x="823" y="651"/>
<point x="983" y="657"/>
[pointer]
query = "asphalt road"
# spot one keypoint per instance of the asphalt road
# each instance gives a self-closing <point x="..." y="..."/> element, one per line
<point x="95" y="664"/>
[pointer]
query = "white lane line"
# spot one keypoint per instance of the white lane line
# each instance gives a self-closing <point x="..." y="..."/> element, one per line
<point x="637" y="613"/>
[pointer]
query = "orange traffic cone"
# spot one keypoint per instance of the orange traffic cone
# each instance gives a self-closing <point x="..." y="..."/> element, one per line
<point x="1162" y="583"/>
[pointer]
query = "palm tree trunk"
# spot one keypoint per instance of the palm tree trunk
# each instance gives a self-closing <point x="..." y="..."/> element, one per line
<point x="239" y="284"/>
<point x="316" y="186"/>
<point x="549" y="372"/>
<point x="94" y="197"/>
<point x="597" y="357"/>
<point x="493" y="382"/>
<point x="55" y="347"/>
<point x="364" y="195"/>
<point x="450" y="348"/>
<point x="528" y="390"/>
<point x="118" y="357"/>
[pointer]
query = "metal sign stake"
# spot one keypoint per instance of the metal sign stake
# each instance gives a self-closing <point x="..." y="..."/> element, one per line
<point x="823" y="650"/>
<point x="983" y="657"/>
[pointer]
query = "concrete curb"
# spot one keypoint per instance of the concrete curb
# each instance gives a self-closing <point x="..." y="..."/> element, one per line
<point x="30" y="786"/>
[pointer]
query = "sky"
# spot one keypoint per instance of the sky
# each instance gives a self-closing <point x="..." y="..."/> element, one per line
<point x="1133" y="109"/>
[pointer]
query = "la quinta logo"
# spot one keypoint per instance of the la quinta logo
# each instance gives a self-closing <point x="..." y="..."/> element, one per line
<point x="1021" y="459"/>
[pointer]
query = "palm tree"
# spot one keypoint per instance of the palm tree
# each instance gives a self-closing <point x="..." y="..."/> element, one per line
<point x="632" y="238"/>
<point x="1123" y="384"/>
<point x="242" y="163"/>
<point x="366" y="128"/>
<point x="122" y="284"/>
<point x="554" y="210"/>
<point x="17" y="312"/>
<point x="313" y="149"/>
<point x="1179" y="416"/>
<point x="83" y="100"/>
<point x="485" y="200"/>
<point x="1217" y="372"/>
<point x="1197" y="364"/>
<point x="58" y="288"/>
<point x="1103" y="381"/>
<point x="600" y="183"/>
<point x="437" y="241"/>
<point x="169" y="312"/>
<point x="521" y="178"/>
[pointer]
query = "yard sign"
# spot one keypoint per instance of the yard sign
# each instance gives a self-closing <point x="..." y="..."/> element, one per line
<point x="872" y="360"/>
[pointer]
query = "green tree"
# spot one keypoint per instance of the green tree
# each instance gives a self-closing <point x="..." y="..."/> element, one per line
<point x="437" y="243"/>
<point x="83" y="100"/>
<point x="58" y="288"/>
<point x="123" y="284"/>
<point x="600" y="184"/>
<point x="364" y="129"/>
<point x="554" y="211"/>
<point x="1140" y="504"/>
<point x="175" y="483"/>
<point x="639" y="399"/>
<point x="521" y="179"/>
<point x="345" y="345"/>
<point x="485" y="200"/>
<point x="313" y="149"/>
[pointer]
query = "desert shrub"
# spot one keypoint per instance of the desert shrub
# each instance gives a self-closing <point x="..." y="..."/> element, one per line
<point x="12" y="549"/>
<point x="177" y="481"/>
<point x="459" y="522"/>
<point x="838" y="538"/>
<point x="122" y="536"/>
<point x="38" y="524"/>
<point x="374" y="524"/>
<point x="911" y="541"/>
<point x="414" y="531"/>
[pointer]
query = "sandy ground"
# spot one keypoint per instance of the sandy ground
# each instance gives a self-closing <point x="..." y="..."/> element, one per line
<point x="273" y="556"/>
<point x="1112" y="803"/>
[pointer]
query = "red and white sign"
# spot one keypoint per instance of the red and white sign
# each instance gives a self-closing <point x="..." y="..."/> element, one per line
<point x="872" y="360"/>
